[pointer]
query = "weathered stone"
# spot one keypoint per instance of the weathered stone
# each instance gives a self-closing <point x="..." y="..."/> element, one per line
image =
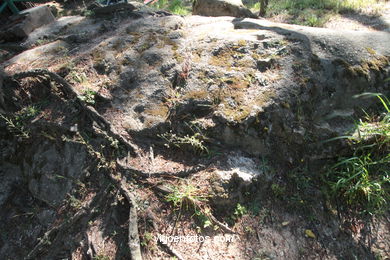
<point x="233" y="8"/>
<point x="105" y="10"/>
<point x="269" y="89"/>
<point x="31" y="19"/>
<point x="244" y="168"/>
<point x="46" y="217"/>
<point x="50" y="32"/>
<point x="51" y="51"/>
<point x="54" y="170"/>
<point x="10" y="176"/>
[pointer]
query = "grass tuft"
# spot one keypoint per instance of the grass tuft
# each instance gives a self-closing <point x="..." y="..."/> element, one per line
<point x="362" y="180"/>
<point x="315" y="12"/>
<point x="174" y="6"/>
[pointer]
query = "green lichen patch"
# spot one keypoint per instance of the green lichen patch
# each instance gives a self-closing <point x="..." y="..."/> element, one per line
<point x="165" y="40"/>
<point x="227" y="56"/>
<point x="237" y="82"/>
<point x="363" y="69"/>
<point x="371" y="51"/>
<point x="178" y="57"/>
<point x="97" y="55"/>
<point x="244" y="104"/>
<point x="159" y="110"/>
<point x="196" y="94"/>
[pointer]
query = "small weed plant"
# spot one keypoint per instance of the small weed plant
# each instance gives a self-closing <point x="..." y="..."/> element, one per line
<point x="362" y="181"/>
<point x="190" y="198"/>
<point x="240" y="211"/>
<point x="193" y="142"/>
<point x="178" y="7"/>
<point x="315" y="12"/>
<point x="17" y="124"/>
<point x="88" y="96"/>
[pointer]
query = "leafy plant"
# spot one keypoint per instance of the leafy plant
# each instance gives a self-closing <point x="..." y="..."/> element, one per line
<point x="78" y="77"/>
<point x="313" y="12"/>
<point x="184" y="195"/>
<point x="189" y="198"/>
<point x="195" y="141"/>
<point x="146" y="238"/>
<point x="240" y="211"/>
<point x="362" y="181"/>
<point x="17" y="124"/>
<point x="15" y="127"/>
<point x="101" y="257"/>
<point x="278" y="190"/>
<point x="75" y="203"/>
<point x="174" y="6"/>
<point x="88" y="96"/>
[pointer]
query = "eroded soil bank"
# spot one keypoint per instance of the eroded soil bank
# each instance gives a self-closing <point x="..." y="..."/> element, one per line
<point x="214" y="125"/>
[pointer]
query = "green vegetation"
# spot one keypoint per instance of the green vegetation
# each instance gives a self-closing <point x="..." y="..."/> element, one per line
<point x="362" y="180"/>
<point x="188" y="142"/>
<point x="16" y="127"/>
<point x="18" y="123"/>
<point x="101" y="257"/>
<point x="77" y="77"/>
<point x="75" y="203"/>
<point x="88" y="96"/>
<point x="188" y="197"/>
<point x="147" y="237"/>
<point x="184" y="195"/>
<point x="240" y="211"/>
<point x="178" y="7"/>
<point x="314" y="12"/>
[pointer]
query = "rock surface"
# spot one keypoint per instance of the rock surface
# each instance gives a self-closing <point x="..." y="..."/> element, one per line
<point x="233" y="8"/>
<point x="27" y="21"/>
<point x="269" y="90"/>
<point x="53" y="172"/>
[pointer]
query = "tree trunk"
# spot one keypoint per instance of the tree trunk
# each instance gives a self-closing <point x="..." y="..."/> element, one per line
<point x="263" y="7"/>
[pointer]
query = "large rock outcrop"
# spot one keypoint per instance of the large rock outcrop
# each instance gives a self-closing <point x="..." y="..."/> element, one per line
<point x="233" y="8"/>
<point x="271" y="90"/>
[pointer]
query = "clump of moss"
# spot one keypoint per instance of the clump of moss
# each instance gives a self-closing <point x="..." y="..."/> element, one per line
<point x="242" y="43"/>
<point x="147" y="43"/>
<point x="178" y="57"/>
<point x="97" y="55"/>
<point x="136" y="37"/>
<point x="226" y="57"/>
<point x="160" y="110"/>
<point x="244" y="106"/>
<point x="236" y="82"/>
<point x="376" y="64"/>
<point x="223" y="59"/>
<point x="165" y="40"/>
<point x="371" y="51"/>
<point x="196" y="94"/>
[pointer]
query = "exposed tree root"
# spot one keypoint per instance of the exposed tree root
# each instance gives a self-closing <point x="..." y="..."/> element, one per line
<point x="60" y="230"/>
<point x="145" y="175"/>
<point x="169" y="249"/>
<point x="52" y="233"/>
<point x="222" y="226"/>
<point x="134" y="242"/>
<point x="71" y="93"/>
<point x="210" y="216"/>
<point x="102" y="122"/>
<point x="119" y="166"/>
